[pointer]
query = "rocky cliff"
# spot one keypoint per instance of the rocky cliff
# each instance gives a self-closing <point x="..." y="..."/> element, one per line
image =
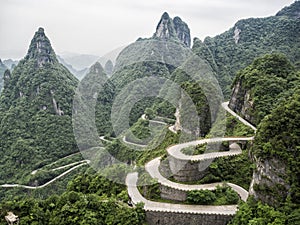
<point x="258" y="87"/>
<point x="40" y="49"/>
<point x="261" y="94"/>
<point x="276" y="154"/>
<point x="173" y="29"/>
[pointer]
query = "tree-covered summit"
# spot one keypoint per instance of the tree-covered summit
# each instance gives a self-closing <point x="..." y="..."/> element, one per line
<point x="292" y="11"/>
<point x="229" y="52"/>
<point x="35" y="112"/>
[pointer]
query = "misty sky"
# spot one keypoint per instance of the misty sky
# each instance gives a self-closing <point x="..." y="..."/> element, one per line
<point x="100" y="26"/>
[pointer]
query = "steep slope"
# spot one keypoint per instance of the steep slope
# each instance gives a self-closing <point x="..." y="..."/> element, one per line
<point x="267" y="93"/>
<point x="248" y="39"/>
<point x="260" y="86"/>
<point x="35" y="112"/>
<point x="148" y="69"/>
<point x="98" y="91"/>
<point x="2" y="70"/>
<point x="276" y="152"/>
<point x="173" y="29"/>
<point x="292" y="11"/>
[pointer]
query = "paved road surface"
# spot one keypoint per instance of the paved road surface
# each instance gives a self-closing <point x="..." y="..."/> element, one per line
<point x="49" y="182"/>
<point x="131" y="143"/>
<point x="152" y="168"/>
<point x="225" y="106"/>
<point x="136" y="197"/>
<point x="175" y="150"/>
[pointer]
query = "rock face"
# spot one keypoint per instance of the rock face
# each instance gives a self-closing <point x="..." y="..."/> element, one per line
<point x="269" y="178"/>
<point x="241" y="102"/>
<point x="176" y="29"/>
<point x="258" y="87"/>
<point x="109" y="67"/>
<point x="40" y="49"/>
<point x="256" y="97"/>
<point x="276" y="153"/>
<point x="182" y="31"/>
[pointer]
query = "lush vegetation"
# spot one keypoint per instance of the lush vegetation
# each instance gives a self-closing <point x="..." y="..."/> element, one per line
<point x="234" y="169"/>
<point x="277" y="144"/>
<point x="267" y="81"/>
<point x="256" y="37"/>
<point x="205" y="148"/>
<point x="222" y="195"/>
<point x="199" y="149"/>
<point x="255" y="212"/>
<point x="2" y="70"/>
<point x="90" y="199"/>
<point x="36" y="128"/>
<point x="159" y="150"/>
<point x="35" y="111"/>
<point x="278" y="138"/>
<point x="235" y="128"/>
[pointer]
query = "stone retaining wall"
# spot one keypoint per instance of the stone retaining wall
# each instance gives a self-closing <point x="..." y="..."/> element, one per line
<point x="172" y="194"/>
<point x="183" y="170"/>
<point x="165" y="218"/>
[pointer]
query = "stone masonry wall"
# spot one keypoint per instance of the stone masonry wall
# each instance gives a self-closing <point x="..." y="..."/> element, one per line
<point x="183" y="170"/>
<point x="172" y="194"/>
<point x="165" y="218"/>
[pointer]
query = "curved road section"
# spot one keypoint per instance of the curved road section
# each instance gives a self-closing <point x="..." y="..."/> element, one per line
<point x="136" y="197"/>
<point x="226" y="107"/>
<point x="175" y="150"/>
<point x="84" y="162"/>
<point x="152" y="168"/>
<point x="141" y="145"/>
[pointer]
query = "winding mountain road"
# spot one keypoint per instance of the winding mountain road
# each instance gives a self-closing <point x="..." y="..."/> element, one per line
<point x="82" y="163"/>
<point x="136" y="197"/>
<point x="131" y="143"/>
<point x="245" y="122"/>
<point x="175" y="151"/>
<point x="140" y="145"/>
<point x="152" y="168"/>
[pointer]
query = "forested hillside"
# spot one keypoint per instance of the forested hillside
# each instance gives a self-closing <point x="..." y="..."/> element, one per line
<point x="275" y="181"/>
<point x="263" y="84"/>
<point x="2" y="70"/>
<point x="35" y="111"/>
<point x="236" y="48"/>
